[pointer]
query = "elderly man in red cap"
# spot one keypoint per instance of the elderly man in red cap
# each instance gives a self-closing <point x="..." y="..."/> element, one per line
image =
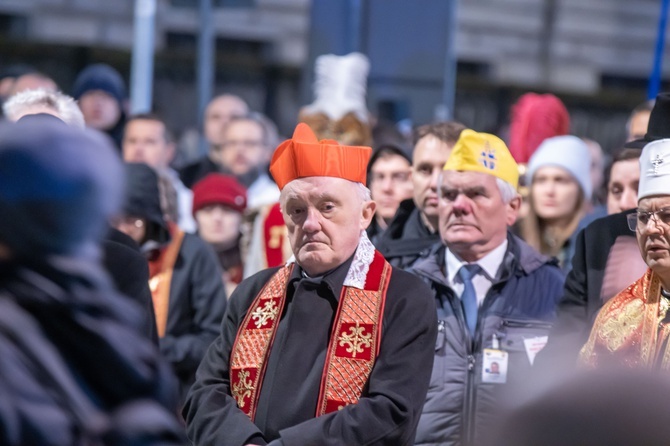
<point x="333" y="348"/>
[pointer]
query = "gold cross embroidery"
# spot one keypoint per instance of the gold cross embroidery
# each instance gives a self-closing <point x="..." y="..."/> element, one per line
<point x="356" y="340"/>
<point x="262" y="314"/>
<point x="243" y="388"/>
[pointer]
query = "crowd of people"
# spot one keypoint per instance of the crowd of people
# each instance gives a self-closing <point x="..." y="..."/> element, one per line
<point x="337" y="288"/>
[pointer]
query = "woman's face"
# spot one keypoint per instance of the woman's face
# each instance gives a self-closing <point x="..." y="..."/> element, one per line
<point x="554" y="193"/>
<point x="218" y="224"/>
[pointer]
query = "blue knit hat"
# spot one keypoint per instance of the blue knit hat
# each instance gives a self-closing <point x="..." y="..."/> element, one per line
<point x="58" y="187"/>
<point x="100" y="77"/>
<point x="568" y="152"/>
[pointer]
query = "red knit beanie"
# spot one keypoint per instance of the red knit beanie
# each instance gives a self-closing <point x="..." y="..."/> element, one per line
<point x="222" y="189"/>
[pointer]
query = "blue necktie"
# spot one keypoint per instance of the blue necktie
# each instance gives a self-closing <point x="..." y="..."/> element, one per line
<point x="469" y="296"/>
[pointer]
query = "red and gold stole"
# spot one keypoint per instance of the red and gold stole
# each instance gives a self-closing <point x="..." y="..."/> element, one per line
<point x="628" y="331"/>
<point x="352" y="349"/>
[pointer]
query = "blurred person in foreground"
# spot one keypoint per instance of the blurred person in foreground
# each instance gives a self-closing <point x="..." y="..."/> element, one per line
<point x="218" y="204"/>
<point x="333" y="348"/>
<point x="414" y="227"/>
<point x="75" y="368"/>
<point x="184" y="274"/>
<point x="147" y="139"/>
<point x="631" y="329"/>
<point x="121" y="257"/>
<point x="610" y="407"/>
<point x="389" y="177"/>
<point x="219" y="111"/>
<point x="495" y="295"/>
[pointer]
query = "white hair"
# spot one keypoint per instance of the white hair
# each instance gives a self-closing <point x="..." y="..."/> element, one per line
<point x="507" y="191"/>
<point x="364" y="192"/>
<point x="63" y="106"/>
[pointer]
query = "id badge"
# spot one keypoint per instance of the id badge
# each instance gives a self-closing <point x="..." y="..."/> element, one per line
<point x="494" y="369"/>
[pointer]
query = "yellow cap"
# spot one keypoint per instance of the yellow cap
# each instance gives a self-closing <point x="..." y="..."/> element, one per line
<point x="482" y="152"/>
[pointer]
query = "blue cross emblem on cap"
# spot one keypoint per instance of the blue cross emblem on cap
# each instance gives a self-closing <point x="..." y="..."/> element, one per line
<point x="488" y="157"/>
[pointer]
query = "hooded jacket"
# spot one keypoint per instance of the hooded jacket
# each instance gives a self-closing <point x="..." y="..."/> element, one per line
<point x="520" y="305"/>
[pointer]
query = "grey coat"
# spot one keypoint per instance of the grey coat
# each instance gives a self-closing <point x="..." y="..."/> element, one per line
<point x="521" y="304"/>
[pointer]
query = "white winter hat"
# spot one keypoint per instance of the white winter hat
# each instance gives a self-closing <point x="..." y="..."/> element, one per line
<point x="567" y="152"/>
<point x="654" y="169"/>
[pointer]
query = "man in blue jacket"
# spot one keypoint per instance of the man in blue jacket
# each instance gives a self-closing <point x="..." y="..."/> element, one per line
<point x="495" y="295"/>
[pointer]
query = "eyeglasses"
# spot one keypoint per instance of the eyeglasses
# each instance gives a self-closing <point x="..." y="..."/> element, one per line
<point x="640" y="219"/>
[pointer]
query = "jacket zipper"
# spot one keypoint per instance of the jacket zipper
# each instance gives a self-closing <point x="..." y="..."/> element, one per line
<point x="513" y="323"/>
<point x="469" y="410"/>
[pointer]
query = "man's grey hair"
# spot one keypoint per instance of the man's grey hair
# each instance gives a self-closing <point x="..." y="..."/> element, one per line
<point x="364" y="192"/>
<point x="63" y="106"/>
<point x="507" y="191"/>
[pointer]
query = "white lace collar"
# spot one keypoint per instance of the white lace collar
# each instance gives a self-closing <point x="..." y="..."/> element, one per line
<point x="360" y="265"/>
<point x="358" y="271"/>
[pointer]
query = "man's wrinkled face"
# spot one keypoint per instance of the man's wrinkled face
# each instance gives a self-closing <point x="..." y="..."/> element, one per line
<point x="653" y="237"/>
<point x="324" y="217"/>
<point x="218" y="113"/>
<point x="100" y="109"/>
<point x="243" y="147"/>
<point x="473" y="216"/>
<point x="390" y="183"/>
<point x="144" y="141"/>
<point x="430" y="155"/>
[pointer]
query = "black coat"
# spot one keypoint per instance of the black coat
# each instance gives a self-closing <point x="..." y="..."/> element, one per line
<point x="129" y="271"/>
<point x="197" y="304"/>
<point x="386" y="414"/>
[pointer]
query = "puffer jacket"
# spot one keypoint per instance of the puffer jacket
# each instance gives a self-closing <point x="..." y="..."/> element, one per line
<point x="460" y="409"/>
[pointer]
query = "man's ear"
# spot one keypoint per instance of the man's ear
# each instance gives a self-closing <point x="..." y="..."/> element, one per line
<point x="367" y="213"/>
<point x="513" y="210"/>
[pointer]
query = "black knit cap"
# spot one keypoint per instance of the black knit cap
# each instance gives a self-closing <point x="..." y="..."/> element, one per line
<point x="100" y="77"/>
